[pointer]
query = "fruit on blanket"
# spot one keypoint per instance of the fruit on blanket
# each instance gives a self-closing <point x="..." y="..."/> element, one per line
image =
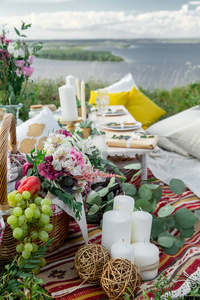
<point x="31" y="184"/>
<point x="30" y="219"/>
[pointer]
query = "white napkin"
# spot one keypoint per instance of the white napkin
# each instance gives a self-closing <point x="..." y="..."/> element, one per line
<point x="82" y="222"/>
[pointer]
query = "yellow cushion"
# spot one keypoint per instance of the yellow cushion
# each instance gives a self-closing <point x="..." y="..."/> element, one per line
<point x="143" y="109"/>
<point x="114" y="98"/>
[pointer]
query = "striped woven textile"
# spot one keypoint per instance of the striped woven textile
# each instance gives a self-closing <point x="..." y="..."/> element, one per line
<point x="62" y="282"/>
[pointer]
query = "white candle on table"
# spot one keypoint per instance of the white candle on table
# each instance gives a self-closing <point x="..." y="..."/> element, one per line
<point x="123" y="250"/>
<point x="116" y="227"/>
<point x="124" y="203"/>
<point x="68" y="103"/>
<point x="146" y="257"/>
<point x="141" y="226"/>
<point x="83" y="107"/>
<point x="78" y="92"/>
<point x="71" y="81"/>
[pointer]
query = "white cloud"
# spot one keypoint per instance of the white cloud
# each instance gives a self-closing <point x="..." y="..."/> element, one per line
<point x="111" y="24"/>
<point x="194" y="2"/>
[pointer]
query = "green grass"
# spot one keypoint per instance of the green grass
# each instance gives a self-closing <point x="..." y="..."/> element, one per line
<point x="74" y="53"/>
<point x="178" y="99"/>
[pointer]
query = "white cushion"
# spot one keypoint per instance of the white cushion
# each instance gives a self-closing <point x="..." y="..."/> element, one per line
<point x="180" y="132"/>
<point x="123" y="85"/>
<point x="32" y="133"/>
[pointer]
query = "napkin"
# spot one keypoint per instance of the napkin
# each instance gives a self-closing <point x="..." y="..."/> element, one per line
<point x="141" y="143"/>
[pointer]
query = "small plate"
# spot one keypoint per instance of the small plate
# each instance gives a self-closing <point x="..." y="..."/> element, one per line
<point x="125" y="128"/>
<point x="114" y="113"/>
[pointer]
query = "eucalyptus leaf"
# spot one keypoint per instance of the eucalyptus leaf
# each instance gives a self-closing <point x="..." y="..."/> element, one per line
<point x="103" y="192"/>
<point x="93" y="209"/>
<point x="166" y="239"/>
<point x="169" y="222"/>
<point x="157" y="193"/>
<point x="153" y="203"/>
<point x="109" y="207"/>
<point x="133" y="167"/>
<point x="157" y="227"/>
<point x="129" y="189"/>
<point x="151" y="186"/>
<point x="144" y="192"/>
<point x="166" y="211"/>
<point x="94" y="198"/>
<point x="110" y="196"/>
<point x="143" y="205"/>
<point x="136" y="174"/>
<point x="187" y="233"/>
<point x="172" y="250"/>
<point x="197" y="214"/>
<point x="180" y="241"/>
<point x="177" y="186"/>
<point x="185" y="218"/>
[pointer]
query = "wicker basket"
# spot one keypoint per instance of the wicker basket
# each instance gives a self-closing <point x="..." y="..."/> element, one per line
<point x="60" y="222"/>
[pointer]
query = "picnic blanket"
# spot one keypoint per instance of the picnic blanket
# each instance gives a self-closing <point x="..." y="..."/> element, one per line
<point x="62" y="282"/>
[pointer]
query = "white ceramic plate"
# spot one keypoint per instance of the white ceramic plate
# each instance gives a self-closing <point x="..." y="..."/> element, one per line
<point x="114" y="113"/>
<point x="125" y="128"/>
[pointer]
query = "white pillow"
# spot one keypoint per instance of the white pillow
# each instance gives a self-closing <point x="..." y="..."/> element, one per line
<point x="123" y="85"/>
<point x="32" y="133"/>
<point x="172" y="130"/>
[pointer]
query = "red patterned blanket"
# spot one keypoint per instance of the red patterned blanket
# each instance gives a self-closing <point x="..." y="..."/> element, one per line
<point x="63" y="283"/>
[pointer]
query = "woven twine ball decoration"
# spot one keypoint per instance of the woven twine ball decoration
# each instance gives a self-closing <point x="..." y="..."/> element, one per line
<point x="90" y="260"/>
<point x="118" y="275"/>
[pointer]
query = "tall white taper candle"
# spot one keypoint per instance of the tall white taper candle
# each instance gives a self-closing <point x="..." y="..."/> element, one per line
<point x="78" y="92"/>
<point x="83" y="107"/>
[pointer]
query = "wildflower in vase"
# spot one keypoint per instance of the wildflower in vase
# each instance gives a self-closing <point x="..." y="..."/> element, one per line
<point x="16" y="59"/>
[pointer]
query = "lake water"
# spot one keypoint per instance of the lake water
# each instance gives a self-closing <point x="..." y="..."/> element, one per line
<point x="162" y="65"/>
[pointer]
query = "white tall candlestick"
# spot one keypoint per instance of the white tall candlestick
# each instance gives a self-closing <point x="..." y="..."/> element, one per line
<point x="68" y="103"/>
<point x="123" y="250"/>
<point x="83" y="107"/>
<point x="124" y="203"/>
<point x="71" y="81"/>
<point x="116" y="227"/>
<point x="78" y="92"/>
<point x="141" y="226"/>
<point x="146" y="257"/>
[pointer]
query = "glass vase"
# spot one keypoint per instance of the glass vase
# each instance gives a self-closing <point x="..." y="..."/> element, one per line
<point x="13" y="109"/>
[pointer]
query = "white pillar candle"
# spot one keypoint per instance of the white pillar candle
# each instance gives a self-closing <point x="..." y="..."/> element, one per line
<point x="141" y="226"/>
<point x="124" y="203"/>
<point x="123" y="250"/>
<point x="116" y="227"/>
<point x="78" y="92"/>
<point x="83" y="107"/>
<point x="68" y="103"/>
<point x="146" y="257"/>
<point x="71" y="81"/>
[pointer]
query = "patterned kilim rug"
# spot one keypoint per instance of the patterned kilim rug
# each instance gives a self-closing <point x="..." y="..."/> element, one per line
<point x="62" y="282"/>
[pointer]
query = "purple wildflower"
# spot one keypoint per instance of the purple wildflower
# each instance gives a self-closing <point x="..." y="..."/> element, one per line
<point x="20" y="63"/>
<point x="27" y="71"/>
<point x="30" y="59"/>
<point x="46" y="169"/>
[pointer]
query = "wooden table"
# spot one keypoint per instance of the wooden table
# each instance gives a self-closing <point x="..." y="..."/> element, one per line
<point x="100" y="141"/>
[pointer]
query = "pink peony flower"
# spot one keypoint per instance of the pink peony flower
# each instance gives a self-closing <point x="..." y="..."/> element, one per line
<point x="20" y="63"/>
<point x="78" y="157"/>
<point x="30" y="59"/>
<point x="64" y="132"/>
<point x="46" y="169"/>
<point x="27" y="71"/>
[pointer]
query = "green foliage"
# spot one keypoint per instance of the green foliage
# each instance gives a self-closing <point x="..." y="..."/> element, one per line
<point x="164" y="219"/>
<point x="19" y="282"/>
<point x="72" y="53"/>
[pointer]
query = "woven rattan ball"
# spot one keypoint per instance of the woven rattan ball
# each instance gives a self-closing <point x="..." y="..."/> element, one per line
<point x="119" y="275"/>
<point x="90" y="260"/>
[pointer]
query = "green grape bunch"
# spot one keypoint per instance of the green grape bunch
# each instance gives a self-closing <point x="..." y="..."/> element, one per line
<point x="30" y="221"/>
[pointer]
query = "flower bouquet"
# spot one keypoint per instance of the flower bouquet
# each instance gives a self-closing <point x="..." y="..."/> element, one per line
<point x="67" y="166"/>
<point x="16" y="59"/>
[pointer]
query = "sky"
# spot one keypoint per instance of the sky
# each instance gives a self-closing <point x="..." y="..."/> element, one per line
<point x="102" y="19"/>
